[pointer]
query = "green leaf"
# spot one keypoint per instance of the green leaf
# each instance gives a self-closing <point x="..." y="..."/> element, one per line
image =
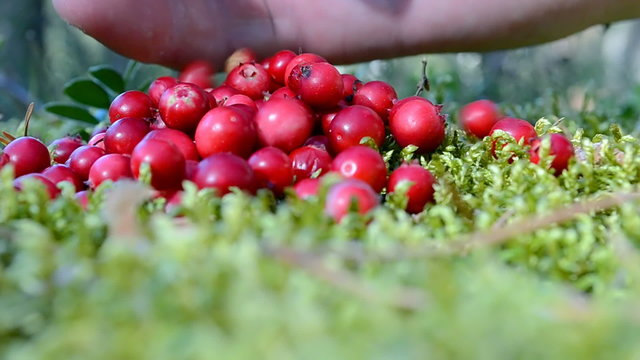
<point x="71" y="111"/>
<point x="87" y="92"/>
<point x="108" y="77"/>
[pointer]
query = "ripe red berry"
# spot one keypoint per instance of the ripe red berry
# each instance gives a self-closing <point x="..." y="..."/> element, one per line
<point x="110" y="167"/>
<point x="131" y="103"/>
<point x="560" y="148"/>
<point x="250" y="79"/>
<point x="198" y="72"/>
<point x="285" y="124"/>
<point x="222" y="93"/>
<point x="225" y="129"/>
<point x="180" y="140"/>
<point x="97" y="140"/>
<point x="283" y="93"/>
<point x="82" y="197"/>
<point x="307" y="188"/>
<point x="82" y="159"/>
<point x="190" y="168"/>
<point x="319" y="141"/>
<point x="59" y="173"/>
<point x="377" y="95"/>
<point x="241" y="99"/>
<point x="519" y="129"/>
<point x="308" y="161"/>
<point x="352" y="124"/>
<point x="166" y="163"/>
<point x="346" y="193"/>
<point x="318" y="84"/>
<point x="326" y="117"/>
<point x="50" y="187"/>
<point x="306" y="58"/>
<point x="123" y="135"/>
<point x="63" y="147"/>
<point x="158" y="86"/>
<point x="27" y="155"/>
<point x="223" y="171"/>
<point x="350" y="84"/>
<point x="417" y="122"/>
<point x="363" y="163"/>
<point x="239" y="57"/>
<point x="272" y="169"/>
<point x="478" y="117"/>
<point x="420" y="191"/>
<point x="278" y="64"/>
<point x="182" y="106"/>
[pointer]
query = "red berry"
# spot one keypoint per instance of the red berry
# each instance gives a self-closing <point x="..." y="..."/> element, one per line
<point x="180" y="140"/>
<point x="82" y="159"/>
<point x="319" y="141"/>
<point x="27" y="155"/>
<point x="272" y="169"/>
<point x="166" y="163"/>
<point x="285" y="124"/>
<point x="50" y="187"/>
<point x="82" y="197"/>
<point x="519" y="129"/>
<point x="190" y="168"/>
<point x="63" y="147"/>
<point x="417" y="122"/>
<point x="352" y="124"/>
<point x="363" y="163"/>
<point x="225" y="129"/>
<point x="239" y="57"/>
<point x="182" y="106"/>
<point x="377" y="95"/>
<point x="350" y="84"/>
<point x="308" y="161"/>
<point x="283" y="93"/>
<point x="250" y="79"/>
<point x="326" y="117"/>
<point x="159" y="85"/>
<point x="222" y="93"/>
<point x="59" y="173"/>
<point x="307" y="188"/>
<point x="123" y="135"/>
<point x="318" y="84"/>
<point x="560" y="148"/>
<point x="278" y="64"/>
<point x="306" y="58"/>
<point x="241" y="99"/>
<point x="110" y="167"/>
<point x="97" y="140"/>
<point x="477" y="118"/>
<point x="344" y="194"/>
<point x="223" y="171"/>
<point x="131" y="103"/>
<point x="421" y="190"/>
<point x="198" y="72"/>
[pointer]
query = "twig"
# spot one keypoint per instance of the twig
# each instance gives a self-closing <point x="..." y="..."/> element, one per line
<point x="423" y="83"/>
<point x="27" y="118"/>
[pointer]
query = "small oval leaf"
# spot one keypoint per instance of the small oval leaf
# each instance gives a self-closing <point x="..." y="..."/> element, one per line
<point x="87" y="92"/>
<point x="108" y="77"/>
<point x="71" y="111"/>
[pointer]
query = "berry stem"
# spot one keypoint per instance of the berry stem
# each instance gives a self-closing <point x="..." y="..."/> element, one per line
<point x="27" y="118"/>
<point x="423" y="83"/>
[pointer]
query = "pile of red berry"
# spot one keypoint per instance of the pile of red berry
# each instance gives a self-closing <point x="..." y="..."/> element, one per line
<point x="282" y="122"/>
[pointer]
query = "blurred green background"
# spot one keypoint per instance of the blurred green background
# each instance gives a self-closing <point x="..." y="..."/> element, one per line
<point x="39" y="53"/>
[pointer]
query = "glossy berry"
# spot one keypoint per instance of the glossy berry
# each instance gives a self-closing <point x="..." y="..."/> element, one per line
<point x="182" y="106"/>
<point x="225" y="129"/>
<point x="198" y="72"/>
<point x="221" y="94"/>
<point x="123" y="135"/>
<point x="180" y="140"/>
<point x="377" y="95"/>
<point x="239" y="57"/>
<point x="131" y="103"/>
<point x="223" y="171"/>
<point x="519" y="129"/>
<point x="166" y="163"/>
<point x="97" y="140"/>
<point x="326" y="117"/>
<point x="347" y="193"/>
<point x="560" y="148"/>
<point x="82" y="159"/>
<point x="59" y="173"/>
<point x="63" y="147"/>
<point x="278" y="64"/>
<point x="309" y="161"/>
<point x="317" y="84"/>
<point x="27" y="155"/>
<point x="478" y="117"/>
<point x="350" y="84"/>
<point x="283" y="93"/>
<point x="319" y="141"/>
<point x="159" y="86"/>
<point x="417" y="122"/>
<point x="241" y="99"/>
<point x="51" y="189"/>
<point x="307" y="188"/>
<point x="110" y="167"/>
<point x="250" y="79"/>
<point x="82" y="197"/>
<point x="302" y="58"/>
<point x="363" y="163"/>
<point x="190" y="168"/>
<point x="272" y="169"/>
<point x="420" y="192"/>
<point x="285" y="124"/>
<point x="352" y="124"/>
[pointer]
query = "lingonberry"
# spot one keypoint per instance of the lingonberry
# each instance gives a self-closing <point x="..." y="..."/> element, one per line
<point x="319" y="141"/>
<point x="82" y="197"/>
<point x="272" y="169"/>
<point x="123" y="135"/>
<point x="182" y="106"/>
<point x="241" y="99"/>
<point x="180" y="140"/>
<point x="377" y="95"/>
<point x="560" y="148"/>
<point x="165" y="161"/>
<point x="51" y="189"/>
<point x="307" y="188"/>
<point x="419" y="123"/>
<point x="308" y="161"/>
<point x="326" y="117"/>
<point x="283" y="93"/>
<point x="239" y="57"/>
<point x="159" y="85"/>
<point x="317" y="84"/>
<point x="198" y="72"/>
<point x="478" y="117"/>
<point x="222" y="93"/>
<point x="363" y="163"/>
<point x="131" y="103"/>
<point x="283" y="123"/>
<point x="350" y="84"/>
<point x="519" y="129"/>
<point x="250" y="79"/>
<point x="27" y="155"/>
<point x="190" y="168"/>
<point x="59" y="173"/>
<point x="82" y="159"/>
<point x="225" y="129"/>
<point x="306" y="58"/>
<point x="223" y="171"/>
<point x="278" y="64"/>
<point x="420" y="191"/>
<point x="110" y="167"/>
<point x="352" y="124"/>
<point x="346" y="194"/>
<point x="97" y="140"/>
<point x="61" y="148"/>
